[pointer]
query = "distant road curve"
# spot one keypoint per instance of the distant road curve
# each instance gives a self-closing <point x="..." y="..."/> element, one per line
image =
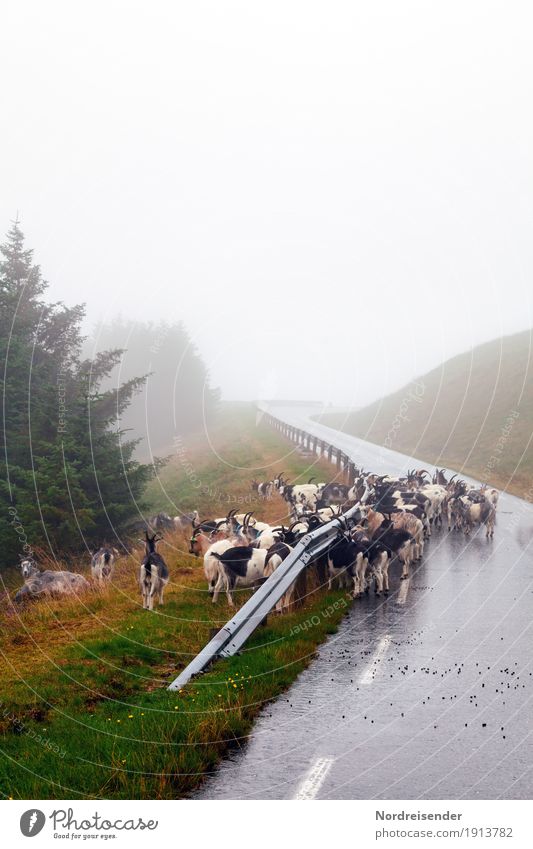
<point x="364" y="454"/>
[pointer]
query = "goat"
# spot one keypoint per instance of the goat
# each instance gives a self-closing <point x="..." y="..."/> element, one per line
<point x="397" y="543"/>
<point x="376" y="559"/>
<point x="203" y="545"/>
<point x="401" y="518"/>
<point x="182" y="522"/>
<point x="153" y="576"/>
<point x="200" y="541"/>
<point x="389" y="499"/>
<point x="326" y="514"/>
<point x="300" y="496"/>
<point x="454" y="510"/>
<point x="47" y="583"/>
<point x="211" y="564"/>
<point x="161" y="522"/>
<point x="258" y="534"/>
<point x="264" y="490"/>
<point x="276" y="554"/>
<point x="239" y="520"/>
<point x="358" y="492"/>
<point x="492" y="495"/>
<point x="102" y="564"/>
<point x="239" y="566"/>
<point x="278" y="481"/>
<point x="437" y="496"/>
<point x="332" y="493"/>
<point x="225" y="524"/>
<point x="347" y="561"/>
<point x="477" y="513"/>
<point x="406" y="521"/>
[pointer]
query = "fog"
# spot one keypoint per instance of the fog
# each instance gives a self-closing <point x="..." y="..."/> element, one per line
<point x="333" y="197"/>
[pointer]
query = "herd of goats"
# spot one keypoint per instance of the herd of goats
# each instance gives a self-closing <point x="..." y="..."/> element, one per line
<point x="395" y="517"/>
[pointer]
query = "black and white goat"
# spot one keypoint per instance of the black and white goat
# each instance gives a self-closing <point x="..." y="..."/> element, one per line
<point x="468" y="514"/>
<point x="332" y="493"/>
<point x="397" y="542"/>
<point x="278" y="481"/>
<point x="241" y="566"/>
<point x="210" y="550"/>
<point x="377" y="559"/>
<point x="346" y="560"/>
<point x="301" y="497"/>
<point x="263" y="489"/>
<point x="276" y="554"/>
<point x="153" y="576"/>
<point x="258" y="534"/>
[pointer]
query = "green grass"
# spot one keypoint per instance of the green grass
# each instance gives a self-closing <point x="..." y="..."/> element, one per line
<point x="214" y="471"/>
<point x="119" y="733"/>
<point x="84" y="709"/>
<point x="474" y="413"/>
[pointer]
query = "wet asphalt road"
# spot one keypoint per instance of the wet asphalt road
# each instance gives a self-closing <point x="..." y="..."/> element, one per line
<point x="425" y="695"/>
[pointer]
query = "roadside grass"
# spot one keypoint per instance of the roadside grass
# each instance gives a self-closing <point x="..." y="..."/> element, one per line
<point x="84" y="709"/>
<point x="213" y="472"/>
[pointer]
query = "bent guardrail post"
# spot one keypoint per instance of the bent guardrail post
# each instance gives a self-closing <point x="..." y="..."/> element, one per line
<point x="234" y="634"/>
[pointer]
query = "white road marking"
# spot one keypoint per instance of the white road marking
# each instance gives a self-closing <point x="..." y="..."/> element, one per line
<point x="316" y="776"/>
<point x="369" y="674"/>
<point x="314" y="779"/>
<point x="402" y="595"/>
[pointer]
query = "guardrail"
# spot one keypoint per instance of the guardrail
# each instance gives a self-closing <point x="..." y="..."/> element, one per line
<point x="231" y="638"/>
<point x="313" y="443"/>
<point x="234" y="634"/>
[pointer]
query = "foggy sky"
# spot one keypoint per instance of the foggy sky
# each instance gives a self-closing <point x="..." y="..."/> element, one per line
<point x="333" y="196"/>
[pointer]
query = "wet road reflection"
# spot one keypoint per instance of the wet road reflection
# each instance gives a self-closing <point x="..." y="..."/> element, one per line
<point x="426" y="694"/>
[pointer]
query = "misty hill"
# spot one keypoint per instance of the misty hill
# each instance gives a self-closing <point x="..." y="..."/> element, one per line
<point x="473" y="413"/>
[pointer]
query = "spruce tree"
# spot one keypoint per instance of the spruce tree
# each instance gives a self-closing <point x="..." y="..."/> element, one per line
<point x="68" y="477"/>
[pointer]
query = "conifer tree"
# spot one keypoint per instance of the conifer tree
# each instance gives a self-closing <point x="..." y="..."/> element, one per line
<point x="68" y="476"/>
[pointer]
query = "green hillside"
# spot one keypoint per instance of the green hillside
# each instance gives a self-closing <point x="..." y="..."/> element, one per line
<point x="473" y="413"/>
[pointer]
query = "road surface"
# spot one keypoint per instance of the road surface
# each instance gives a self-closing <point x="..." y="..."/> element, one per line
<point x="424" y="695"/>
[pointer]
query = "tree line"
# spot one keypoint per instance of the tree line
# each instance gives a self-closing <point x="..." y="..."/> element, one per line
<point x="70" y="426"/>
<point x="176" y="397"/>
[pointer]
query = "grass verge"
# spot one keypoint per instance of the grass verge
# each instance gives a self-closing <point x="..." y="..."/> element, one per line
<point x="84" y="710"/>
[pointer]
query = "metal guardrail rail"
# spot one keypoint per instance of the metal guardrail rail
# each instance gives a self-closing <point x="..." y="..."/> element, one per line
<point x="346" y="464"/>
<point x="234" y="634"/>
